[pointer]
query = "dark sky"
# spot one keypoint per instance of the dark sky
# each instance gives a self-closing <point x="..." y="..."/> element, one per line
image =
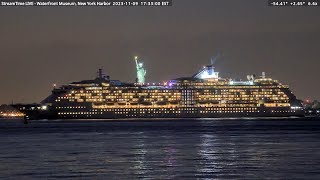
<point x="40" y="46"/>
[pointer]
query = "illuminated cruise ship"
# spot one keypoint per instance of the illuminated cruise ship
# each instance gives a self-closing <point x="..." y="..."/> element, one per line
<point x="203" y="95"/>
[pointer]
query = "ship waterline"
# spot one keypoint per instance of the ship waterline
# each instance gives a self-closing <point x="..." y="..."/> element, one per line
<point x="203" y="95"/>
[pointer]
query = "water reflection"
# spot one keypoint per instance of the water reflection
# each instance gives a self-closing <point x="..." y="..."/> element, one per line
<point x="139" y="153"/>
<point x="209" y="154"/>
<point x="174" y="150"/>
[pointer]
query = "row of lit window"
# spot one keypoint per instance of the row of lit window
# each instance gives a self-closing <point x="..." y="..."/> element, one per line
<point x="82" y="113"/>
<point x="227" y="111"/>
<point x="168" y="112"/>
<point x="71" y="107"/>
<point x="207" y="92"/>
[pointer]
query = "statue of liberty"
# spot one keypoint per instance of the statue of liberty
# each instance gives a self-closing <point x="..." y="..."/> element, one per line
<point x="141" y="71"/>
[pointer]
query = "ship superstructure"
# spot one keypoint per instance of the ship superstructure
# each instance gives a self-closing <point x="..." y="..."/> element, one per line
<point x="203" y="95"/>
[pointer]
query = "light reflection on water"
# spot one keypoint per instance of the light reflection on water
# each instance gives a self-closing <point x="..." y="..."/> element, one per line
<point x="204" y="149"/>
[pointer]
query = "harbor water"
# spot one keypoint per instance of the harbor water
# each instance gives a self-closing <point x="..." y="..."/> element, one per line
<point x="236" y="148"/>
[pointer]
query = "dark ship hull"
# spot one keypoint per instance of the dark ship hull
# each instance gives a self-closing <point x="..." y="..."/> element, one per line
<point x="184" y="115"/>
<point x="188" y="112"/>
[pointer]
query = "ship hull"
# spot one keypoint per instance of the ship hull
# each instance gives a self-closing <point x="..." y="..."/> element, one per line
<point x="198" y="113"/>
<point x="213" y="115"/>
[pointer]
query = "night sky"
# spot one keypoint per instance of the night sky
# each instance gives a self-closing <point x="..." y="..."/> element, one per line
<point x="40" y="46"/>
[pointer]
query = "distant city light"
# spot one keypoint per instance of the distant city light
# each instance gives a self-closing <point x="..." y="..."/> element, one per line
<point x="11" y="114"/>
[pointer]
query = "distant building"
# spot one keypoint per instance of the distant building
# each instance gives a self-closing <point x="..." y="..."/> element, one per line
<point x="7" y="111"/>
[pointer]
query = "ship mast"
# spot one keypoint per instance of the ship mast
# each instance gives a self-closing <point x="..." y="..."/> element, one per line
<point x="100" y="73"/>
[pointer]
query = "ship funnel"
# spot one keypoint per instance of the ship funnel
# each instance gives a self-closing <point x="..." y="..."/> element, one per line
<point x="251" y="77"/>
<point x="207" y="72"/>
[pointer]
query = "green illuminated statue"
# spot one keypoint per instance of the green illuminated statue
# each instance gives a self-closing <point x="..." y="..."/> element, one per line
<point x="141" y="71"/>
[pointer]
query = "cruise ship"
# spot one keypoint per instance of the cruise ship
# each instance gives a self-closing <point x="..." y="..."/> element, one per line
<point x="203" y="95"/>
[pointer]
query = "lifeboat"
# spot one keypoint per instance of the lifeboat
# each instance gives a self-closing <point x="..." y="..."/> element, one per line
<point x="110" y="103"/>
<point x="146" y="103"/>
<point x="203" y="102"/>
<point x="122" y="103"/>
<point x="134" y="103"/>
<point x="98" y="104"/>
<point x="214" y="102"/>
<point x="161" y="103"/>
<point x="174" y="102"/>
